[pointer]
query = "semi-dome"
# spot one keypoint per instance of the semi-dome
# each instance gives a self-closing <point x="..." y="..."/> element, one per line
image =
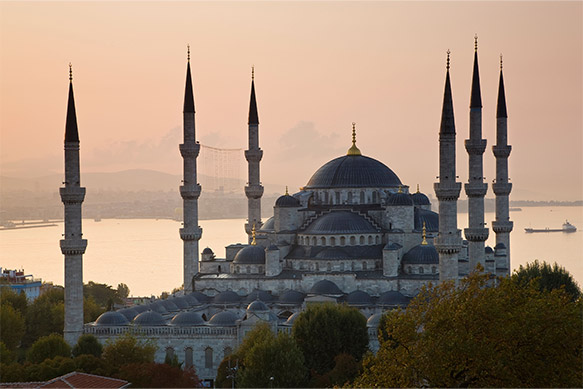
<point x="291" y="297"/>
<point x="420" y="199"/>
<point x="430" y="218"/>
<point x="149" y="318"/>
<point x="226" y="297"/>
<point x="353" y="171"/>
<point x="129" y="313"/>
<point x="392" y="298"/>
<point x="223" y="319"/>
<point x="325" y="287"/>
<point x="257" y="306"/>
<point x="400" y="199"/>
<point x="186" y="319"/>
<point x="340" y="222"/>
<point x="423" y="254"/>
<point x="269" y="225"/>
<point x="287" y="201"/>
<point x="290" y="320"/>
<point x="111" y="318"/>
<point x="358" y="297"/>
<point x="249" y="255"/>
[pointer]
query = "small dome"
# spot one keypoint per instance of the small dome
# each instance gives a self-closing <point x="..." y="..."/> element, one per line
<point x="392" y="298"/>
<point x="180" y="302"/>
<point x="261" y="295"/>
<point x="340" y="222"/>
<point x="158" y="306"/>
<point x="430" y="218"/>
<point x="257" y="306"/>
<point x="500" y="246"/>
<point x="170" y="306"/>
<point x="140" y="308"/>
<point x="287" y="201"/>
<point x="269" y="225"/>
<point x="421" y="255"/>
<point x="290" y="320"/>
<point x="374" y="320"/>
<point x="223" y="319"/>
<point x="399" y="199"/>
<point x="325" y="287"/>
<point x="149" y="318"/>
<point x="420" y="199"/>
<point x="252" y="254"/>
<point x="201" y="297"/>
<point x="111" y="318"/>
<point x="207" y="250"/>
<point x="488" y="250"/>
<point x="226" y="297"/>
<point x="358" y="297"/>
<point x="187" y="319"/>
<point x="129" y="313"/>
<point x="191" y="300"/>
<point x="291" y="297"/>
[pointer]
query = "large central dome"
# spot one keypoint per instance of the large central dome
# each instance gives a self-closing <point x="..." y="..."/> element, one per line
<point x="353" y="171"/>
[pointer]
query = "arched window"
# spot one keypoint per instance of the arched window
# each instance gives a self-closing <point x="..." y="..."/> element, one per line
<point x="323" y="241"/>
<point x="353" y="266"/>
<point x="420" y="269"/>
<point x="349" y="197"/>
<point x="362" y="196"/>
<point x="369" y="239"/>
<point x="248" y="269"/>
<point x="341" y="266"/>
<point x="352" y="240"/>
<point x="364" y="265"/>
<point x="328" y="266"/>
<point x="169" y="354"/>
<point x="260" y="269"/>
<point x="313" y="241"/>
<point x="433" y="269"/>
<point x="326" y="197"/>
<point x="378" y="239"/>
<point x="409" y="270"/>
<point x="337" y="197"/>
<point x="188" y="357"/>
<point x="219" y="268"/>
<point x="208" y="358"/>
<point x="375" y="196"/>
<point x="332" y="241"/>
<point x="238" y="269"/>
<point x="317" y="266"/>
<point x="361" y="239"/>
<point x="342" y="241"/>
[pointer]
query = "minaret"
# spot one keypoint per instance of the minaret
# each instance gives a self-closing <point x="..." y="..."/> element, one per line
<point x="448" y="241"/>
<point x="476" y="188"/>
<point x="190" y="233"/>
<point x="73" y="245"/>
<point x="254" y="189"/>
<point x="502" y="226"/>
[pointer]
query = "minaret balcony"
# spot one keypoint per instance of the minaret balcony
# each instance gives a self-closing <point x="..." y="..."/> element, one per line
<point x="73" y="246"/>
<point x="189" y="150"/>
<point x="502" y="188"/>
<point x="475" y="146"/>
<point x="476" y="189"/>
<point x="447" y="191"/>
<point x="448" y="243"/>
<point x="501" y="151"/>
<point x="72" y="194"/>
<point x="190" y="192"/>
<point x="253" y="155"/>
<point x="254" y="191"/>
<point x="502" y="226"/>
<point x="189" y="234"/>
<point x="478" y="234"/>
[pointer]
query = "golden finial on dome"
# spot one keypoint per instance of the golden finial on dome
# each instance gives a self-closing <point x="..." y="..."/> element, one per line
<point x="417" y="188"/>
<point x="353" y="150"/>
<point x="253" y="242"/>
<point x="424" y="242"/>
<point x="400" y="189"/>
<point x="70" y="72"/>
<point x="286" y="191"/>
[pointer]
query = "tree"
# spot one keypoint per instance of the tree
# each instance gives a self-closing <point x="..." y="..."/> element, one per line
<point x="269" y="360"/>
<point x="128" y="349"/>
<point x="87" y="363"/>
<point x="103" y="294"/>
<point x="480" y="335"/>
<point x="123" y="291"/>
<point x="18" y="301"/>
<point x="12" y="326"/>
<point x="158" y="375"/>
<point x="48" y="347"/>
<point x="91" y="310"/>
<point x="547" y="277"/>
<point x="6" y="356"/>
<point x="324" y="331"/>
<point x="44" y="316"/>
<point x="87" y="344"/>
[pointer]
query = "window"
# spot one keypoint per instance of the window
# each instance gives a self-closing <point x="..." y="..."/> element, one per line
<point x="260" y="269"/>
<point x="409" y="270"/>
<point x="219" y="269"/>
<point x="375" y="196"/>
<point x="332" y="241"/>
<point x="364" y="265"/>
<point x="352" y="240"/>
<point x="420" y="269"/>
<point x="433" y="269"/>
<point x="349" y="197"/>
<point x="323" y="241"/>
<point x="341" y="266"/>
<point x="342" y="241"/>
<point x="188" y="357"/>
<point x="361" y="240"/>
<point x="362" y="197"/>
<point x="369" y="239"/>
<point x="238" y="269"/>
<point x="248" y="269"/>
<point x="337" y="197"/>
<point x="314" y="241"/>
<point x="328" y="266"/>
<point x="169" y="354"/>
<point x="208" y="358"/>
<point x="317" y="266"/>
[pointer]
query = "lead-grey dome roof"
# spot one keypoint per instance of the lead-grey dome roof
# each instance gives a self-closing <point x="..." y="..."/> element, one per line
<point x="399" y="199"/>
<point x="269" y="225"/>
<point x="226" y="297"/>
<point x="392" y="298"/>
<point x="111" y="318"/>
<point x="290" y="320"/>
<point x="358" y="297"/>
<point x="158" y="306"/>
<point x="257" y="306"/>
<point x="170" y="306"/>
<point x="430" y="218"/>
<point x="140" y="308"/>
<point x="291" y="297"/>
<point x="149" y="318"/>
<point x="181" y="302"/>
<point x="287" y="201"/>
<point x="200" y="297"/>
<point x="420" y="199"/>
<point x="340" y="222"/>
<point x="249" y="255"/>
<point x="129" y="313"/>
<point x="421" y="255"/>
<point x="353" y="171"/>
<point x="374" y="320"/>
<point x="223" y="319"/>
<point x="261" y="295"/>
<point x="325" y="287"/>
<point x="186" y="319"/>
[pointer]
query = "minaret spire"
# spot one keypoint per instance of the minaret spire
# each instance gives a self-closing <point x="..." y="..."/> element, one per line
<point x="476" y="233"/>
<point x="191" y="232"/>
<point x="254" y="189"/>
<point x="448" y="241"/>
<point x="73" y="245"/>
<point x="502" y="226"/>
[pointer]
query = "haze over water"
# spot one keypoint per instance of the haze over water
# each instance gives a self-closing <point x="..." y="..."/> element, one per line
<point x="147" y="254"/>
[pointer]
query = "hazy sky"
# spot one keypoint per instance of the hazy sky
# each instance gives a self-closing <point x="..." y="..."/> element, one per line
<point x="318" y="67"/>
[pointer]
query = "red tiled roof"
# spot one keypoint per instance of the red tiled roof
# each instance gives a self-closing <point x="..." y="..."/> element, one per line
<point x="84" y="380"/>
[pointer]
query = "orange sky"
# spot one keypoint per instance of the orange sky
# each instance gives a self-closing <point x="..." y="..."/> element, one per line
<point x="319" y="67"/>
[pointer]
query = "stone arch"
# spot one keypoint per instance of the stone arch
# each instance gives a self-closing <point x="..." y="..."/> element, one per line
<point x="370" y="239"/>
<point x="364" y="265"/>
<point x="317" y="266"/>
<point x="314" y="241"/>
<point x="188" y="357"/>
<point x="377" y="239"/>
<point x="332" y="241"/>
<point x="170" y="353"/>
<point x="421" y="270"/>
<point x="323" y="241"/>
<point x="349" y="197"/>
<point x="328" y="266"/>
<point x="375" y="196"/>
<point x="361" y="241"/>
<point x="362" y="197"/>
<point x="208" y="358"/>
<point x="342" y="241"/>
<point x="352" y="240"/>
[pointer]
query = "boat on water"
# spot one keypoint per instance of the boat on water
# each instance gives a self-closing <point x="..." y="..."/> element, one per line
<point x="567" y="227"/>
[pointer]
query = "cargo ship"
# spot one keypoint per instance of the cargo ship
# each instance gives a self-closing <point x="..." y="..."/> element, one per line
<point x="567" y="227"/>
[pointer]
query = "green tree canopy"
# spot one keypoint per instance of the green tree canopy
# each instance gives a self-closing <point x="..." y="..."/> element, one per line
<point x="12" y="326"/>
<point x="123" y="291"/>
<point x="104" y="295"/>
<point x="48" y="347"/>
<point x="547" y="277"/>
<point x="16" y="299"/>
<point x="128" y="349"/>
<point x="87" y="344"/>
<point x="480" y="335"/>
<point x="45" y="316"/>
<point x="158" y="375"/>
<point x="326" y="330"/>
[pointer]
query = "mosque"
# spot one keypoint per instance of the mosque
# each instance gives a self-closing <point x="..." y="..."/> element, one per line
<point x="354" y="234"/>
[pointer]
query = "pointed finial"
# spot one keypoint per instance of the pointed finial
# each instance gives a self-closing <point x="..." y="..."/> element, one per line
<point x="476" y="42"/>
<point x="353" y="150"/>
<point x="188" y="52"/>
<point x="417" y="188"/>
<point x="500" y="61"/>
<point x="424" y="242"/>
<point x="448" y="53"/>
<point x="252" y="72"/>
<point x="253" y="242"/>
<point x="286" y="192"/>
<point x="70" y="72"/>
<point x="400" y="189"/>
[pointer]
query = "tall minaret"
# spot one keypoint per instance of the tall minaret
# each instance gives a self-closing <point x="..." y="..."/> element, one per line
<point x="502" y="226"/>
<point x="190" y="233"/>
<point x="448" y="241"/>
<point x="254" y="189"/>
<point x="476" y="188"/>
<point x="73" y="245"/>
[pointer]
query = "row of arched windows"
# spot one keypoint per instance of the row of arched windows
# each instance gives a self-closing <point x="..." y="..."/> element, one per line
<point x="352" y="240"/>
<point x="189" y="356"/>
<point x="248" y="269"/>
<point x="346" y="197"/>
<point x="420" y="270"/>
<point x="338" y="265"/>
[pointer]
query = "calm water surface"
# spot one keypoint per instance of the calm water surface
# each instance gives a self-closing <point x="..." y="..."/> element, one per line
<point x="147" y="254"/>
